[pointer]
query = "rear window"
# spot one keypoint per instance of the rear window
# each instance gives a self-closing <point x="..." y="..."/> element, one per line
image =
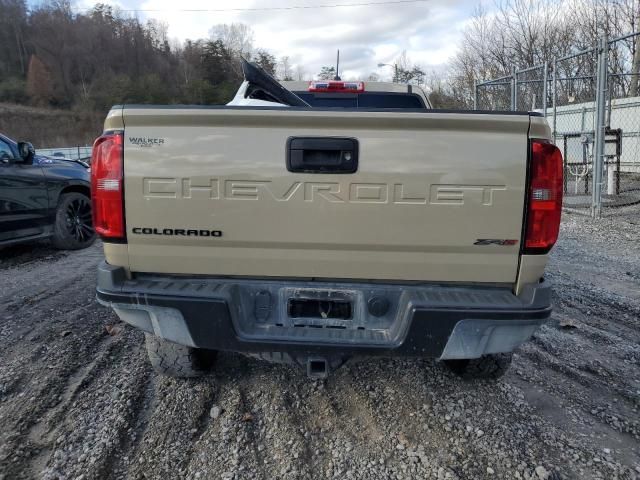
<point x="363" y="100"/>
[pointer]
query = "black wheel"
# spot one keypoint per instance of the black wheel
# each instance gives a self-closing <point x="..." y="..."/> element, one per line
<point x="74" y="226"/>
<point x="488" y="366"/>
<point x="174" y="360"/>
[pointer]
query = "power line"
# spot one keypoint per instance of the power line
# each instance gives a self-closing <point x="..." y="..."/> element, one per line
<point x="262" y="9"/>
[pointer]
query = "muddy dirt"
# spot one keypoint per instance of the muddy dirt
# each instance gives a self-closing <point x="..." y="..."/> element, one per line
<point x="78" y="399"/>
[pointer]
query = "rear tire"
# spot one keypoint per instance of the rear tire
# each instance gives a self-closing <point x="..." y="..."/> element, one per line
<point x="73" y="227"/>
<point x="174" y="360"/>
<point x="488" y="366"/>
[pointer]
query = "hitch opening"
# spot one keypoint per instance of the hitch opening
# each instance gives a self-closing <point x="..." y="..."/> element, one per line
<point x="317" y="368"/>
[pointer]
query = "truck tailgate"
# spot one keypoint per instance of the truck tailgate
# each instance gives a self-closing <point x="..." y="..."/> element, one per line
<point x="207" y="191"/>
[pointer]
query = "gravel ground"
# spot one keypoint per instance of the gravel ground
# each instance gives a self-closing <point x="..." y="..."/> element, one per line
<point x="79" y="401"/>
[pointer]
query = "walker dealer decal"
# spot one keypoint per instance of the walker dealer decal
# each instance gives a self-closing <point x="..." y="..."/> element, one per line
<point x="146" y="141"/>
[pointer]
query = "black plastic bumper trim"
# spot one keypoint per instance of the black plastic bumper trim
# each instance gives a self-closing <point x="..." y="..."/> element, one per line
<point x="211" y="326"/>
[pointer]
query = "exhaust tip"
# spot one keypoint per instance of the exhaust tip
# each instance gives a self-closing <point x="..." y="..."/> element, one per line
<point x="317" y="368"/>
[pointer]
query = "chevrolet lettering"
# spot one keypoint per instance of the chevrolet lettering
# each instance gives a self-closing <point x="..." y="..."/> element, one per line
<point x="409" y="193"/>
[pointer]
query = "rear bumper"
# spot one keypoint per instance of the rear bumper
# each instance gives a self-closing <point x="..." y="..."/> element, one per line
<point x="251" y="316"/>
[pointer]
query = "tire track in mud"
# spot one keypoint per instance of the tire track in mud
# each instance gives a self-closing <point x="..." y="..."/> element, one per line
<point x="41" y="428"/>
<point x="50" y="328"/>
<point x="66" y="268"/>
<point x="130" y="442"/>
<point x="128" y="437"/>
<point x="173" y="424"/>
<point x="98" y="421"/>
<point x="24" y="255"/>
<point x="377" y="409"/>
<point x="588" y="387"/>
<point x="254" y="423"/>
<point x="577" y="411"/>
<point x="306" y="426"/>
<point x="47" y="378"/>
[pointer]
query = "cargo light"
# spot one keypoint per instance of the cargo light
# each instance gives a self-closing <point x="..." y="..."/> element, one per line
<point x="107" y="187"/>
<point x="335" y="86"/>
<point x="544" y="205"/>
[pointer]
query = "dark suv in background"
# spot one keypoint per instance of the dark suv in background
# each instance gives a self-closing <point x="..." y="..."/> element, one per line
<point x="43" y="197"/>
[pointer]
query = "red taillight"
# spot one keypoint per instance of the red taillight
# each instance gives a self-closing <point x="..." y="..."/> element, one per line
<point x="107" y="189"/>
<point x="544" y="197"/>
<point x="335" y="86"/>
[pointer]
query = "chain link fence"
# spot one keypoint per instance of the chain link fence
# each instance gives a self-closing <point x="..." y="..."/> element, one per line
<point x="495" y="94"/>
<point x="573" y="122"/>
<point x="592" y="102"/>
<point x="531" y="88"/>
<point x="622" y="158"/>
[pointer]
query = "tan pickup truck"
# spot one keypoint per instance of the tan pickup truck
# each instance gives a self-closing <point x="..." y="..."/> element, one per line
<point x="326" y="220"/>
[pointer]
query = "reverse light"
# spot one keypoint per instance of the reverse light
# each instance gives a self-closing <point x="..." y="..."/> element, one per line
<point x="544" y="205"/>
<point x="107" y="186"/>
<point x="336" y="86"/>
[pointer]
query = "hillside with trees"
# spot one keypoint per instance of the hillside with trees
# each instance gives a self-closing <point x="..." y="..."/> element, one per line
<point x="52" y="56"/>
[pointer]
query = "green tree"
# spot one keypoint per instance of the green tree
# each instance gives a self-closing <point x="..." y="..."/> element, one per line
<point x="217" y="63"/>
<point x="266" y="61"/>
<point x="413" y="75"/>
<point x="13" y="50"/>
<point x="327" y="73"/>
<point x="13" y="90"/>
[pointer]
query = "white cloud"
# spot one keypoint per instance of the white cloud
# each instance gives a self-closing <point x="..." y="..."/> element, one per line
<point x="365" y="35"/>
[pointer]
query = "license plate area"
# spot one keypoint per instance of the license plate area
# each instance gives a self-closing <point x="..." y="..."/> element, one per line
<point x="320" y="308"/>
<point x="319" y="313"/>
<point x="299" y="308"/>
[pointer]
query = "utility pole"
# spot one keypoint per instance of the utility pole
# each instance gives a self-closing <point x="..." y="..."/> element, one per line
<point x="555" y="96"/>
<point x="545" y="85"/>
<point x="635" y="66"/>
<point x="514" y="88"/>
<point x="475" y="95"/>
<point x="600" y="126"/>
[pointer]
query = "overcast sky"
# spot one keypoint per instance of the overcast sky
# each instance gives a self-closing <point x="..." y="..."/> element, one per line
<point x="365" y="34"/>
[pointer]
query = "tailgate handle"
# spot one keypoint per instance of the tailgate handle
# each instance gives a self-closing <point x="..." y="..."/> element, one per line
<point x="322" y="154"/>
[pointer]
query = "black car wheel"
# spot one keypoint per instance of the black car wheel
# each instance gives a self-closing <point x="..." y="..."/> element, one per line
<point x="74" y="226"/>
